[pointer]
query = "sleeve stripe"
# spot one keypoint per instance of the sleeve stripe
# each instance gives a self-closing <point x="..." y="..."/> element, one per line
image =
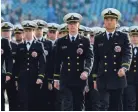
<point x="94" y="75"/>
<point x="125" y="64"/>
<point x="8" y="73"/>
<point x="56" y="75"/>
<point x="41" y="75"/>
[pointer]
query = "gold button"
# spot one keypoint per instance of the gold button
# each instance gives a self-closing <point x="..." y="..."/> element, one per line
<point x="105" y="63"/>
<point x="114" y="63"/>
<point x="77" y="69"/>
<point x="115" y="70"/>
<point x="68" y="57"/>
<point x="134" y="70"/>
<point x="77" y="63"/>
<point x="68" y="69"/>
<point x="77" y="57"/>
<point x="28" y="63"/>
<point x="105" y="70"/>
<point x="28" y="58"/>
<point x="134" y="61"/>
<point x="114" y="56"/>
<point x="105" y="56"/>
<point x="68" y="63"/>
<point x="27" y="69"/>
<point x="134" y="65"/>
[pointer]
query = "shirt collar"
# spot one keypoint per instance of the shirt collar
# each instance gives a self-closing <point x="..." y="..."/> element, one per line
<point x="70" y="36"/>
<point x="40" y="38"/>
<point x="53" y="41"/>
<point x="135" y="46"/>
<point x="19" y="42"/>
<point x="109" y="32"/>
<point x="31" y="41"/>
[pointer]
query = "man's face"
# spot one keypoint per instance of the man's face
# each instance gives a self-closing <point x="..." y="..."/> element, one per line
<point x="86" y="34"/>
<point x="73" y="26"/>
<point x="39" y="32"/>
<point x="52" y="34"/>
<point x="19" y="36"/>
<point x="92" y="38"/>
<point x="110" y="23"/>
<point x="28" y="33"/>
<point x="6" y="34"/>
<point x="134" y="39"/>
<point x="62" y="34"/>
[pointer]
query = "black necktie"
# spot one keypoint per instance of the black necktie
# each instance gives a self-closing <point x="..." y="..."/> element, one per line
<point x="110" y="36"/>
<point x="28" y="43"/>
<point x="73" y="39"/>
<point x="39" y="40"/>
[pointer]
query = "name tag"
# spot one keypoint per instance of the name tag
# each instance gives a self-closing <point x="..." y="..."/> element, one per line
<point x="99" y="45"/>
<point x="13" y="52"/>
<point x="64" y="47"/>
<point x="21" y="49"/>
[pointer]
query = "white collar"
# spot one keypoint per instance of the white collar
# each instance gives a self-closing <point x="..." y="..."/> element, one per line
<point x="135" y="46"/>
<point x="31" y="41"/>
<point x="40" y="38"/>
<point x="109" y="32"/>
<point x="53" y="41"/>
<point x="19" y="42"/>
<point x="70" y="36"/>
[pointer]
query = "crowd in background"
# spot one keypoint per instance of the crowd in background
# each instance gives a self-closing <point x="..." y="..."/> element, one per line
<point x="16" y="11"/>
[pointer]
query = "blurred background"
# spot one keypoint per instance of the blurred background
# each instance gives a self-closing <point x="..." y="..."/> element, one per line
<point x="16" y="11"/>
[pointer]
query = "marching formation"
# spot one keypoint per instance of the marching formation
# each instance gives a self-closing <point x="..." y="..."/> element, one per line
<point x="69" y="67"/>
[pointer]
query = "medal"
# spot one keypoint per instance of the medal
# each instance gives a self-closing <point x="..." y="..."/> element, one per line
<point x="117" y="49"/>
<point x="34" y="54"/>
<point x="80" y="51"/>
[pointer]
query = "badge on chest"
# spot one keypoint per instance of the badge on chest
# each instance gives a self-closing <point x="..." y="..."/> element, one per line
<point x="34" y="54"/>
<point x="80" y="50"/>
<point x="117" y="48"/>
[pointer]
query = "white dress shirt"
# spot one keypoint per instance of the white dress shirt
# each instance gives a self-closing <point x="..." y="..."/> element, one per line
<point x="135" y="50"/>
<point x="27" y="45"/>
<point x="107" y="33"/>
<point x="70" y="36"/>
<point x="39" y="39"/>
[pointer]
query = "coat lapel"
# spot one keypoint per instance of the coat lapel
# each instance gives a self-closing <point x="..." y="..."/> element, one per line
<point x="24" y="44"/>
<point x="105" y="41"/>
<point x="42" y="40"/>
<point x="32" y="45"/>
<point x="77" y="38"/>
<point x="108" y="46"/>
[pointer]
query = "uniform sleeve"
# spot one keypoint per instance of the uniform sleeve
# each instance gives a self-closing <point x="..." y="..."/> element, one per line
<point x="17" y="63"/>
<point x="89" y="58"/>
<point x="42" y="62"/>
<point x="49" y="64"/>
<point x="127" y="53"/>
<point x="8" y="58"/>
<point x="96" y="59"/>
<point x="14" y="53"/>
<point x="57" y="60"/>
